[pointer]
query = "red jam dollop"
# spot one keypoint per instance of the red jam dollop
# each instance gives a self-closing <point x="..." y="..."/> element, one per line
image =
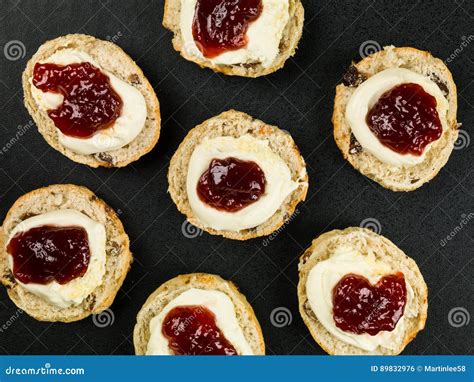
<point x="192" y="330"/>
<point x="231" y="184"/>
<point x="48" y="253"/>
<point x="405" y="119"/>
<point x="221" y="25"/>
<point x="360" y="307"/>
<point x="90" y="103"/>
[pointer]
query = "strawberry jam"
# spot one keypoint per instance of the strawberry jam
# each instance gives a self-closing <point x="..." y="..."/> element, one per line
<point x="48" y="253"/>
<point x="90" y="103"/>
<point x="192" y="330"/>
<point x="360" y="307"/>
<point x="405" y="119"/>
<point x="221" y="25"/>
<point x="231" y="184"/>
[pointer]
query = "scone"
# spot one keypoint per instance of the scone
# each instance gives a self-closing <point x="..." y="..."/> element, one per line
<point x="395" y="117"/>
<point x="197" y="314"/>
<point x="248" y="38"/>
<point x="238" y="177"/>
<point x="360" y="294"/>
<point x="91" y="102"/>
<point x="63" y="253"/>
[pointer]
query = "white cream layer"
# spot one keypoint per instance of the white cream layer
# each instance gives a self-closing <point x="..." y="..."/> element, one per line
<point x="366" y="96"/>
<point x="279" y="183"/>
<point x="264" y="35"/>
<point x="324" y="276"/>
<point x="218" y="303"/>
<point x="125" y="128"/>
<point x="75" y="291"/>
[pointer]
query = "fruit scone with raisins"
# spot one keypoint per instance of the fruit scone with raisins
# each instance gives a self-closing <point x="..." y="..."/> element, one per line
<point x="360" y="294"/>
<point x="91" y="102"/>
<point x="63" y="253"/>
<point x="248" y="38"/>
<point x="395" y="117"/>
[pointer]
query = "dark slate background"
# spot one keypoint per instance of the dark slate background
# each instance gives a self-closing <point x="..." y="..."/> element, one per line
<point x="298" y="98"/>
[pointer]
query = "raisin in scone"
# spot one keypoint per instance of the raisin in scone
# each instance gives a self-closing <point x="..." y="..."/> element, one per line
<point x="395" y="117"/>
<point x="360" y="294"/>
<point x="63" y="253"/>
<point x="91" y="102"/>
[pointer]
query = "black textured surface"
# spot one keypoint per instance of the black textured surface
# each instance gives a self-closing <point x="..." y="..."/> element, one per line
<point x="298" y="98"/>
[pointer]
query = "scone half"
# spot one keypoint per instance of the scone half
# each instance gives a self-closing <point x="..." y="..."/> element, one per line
<point x="357" y="251"/>
<point x="197" y="285"/>
<point x="396" y="177"/>
<point x="252" y="135"/>
<point x="287" y="45"/>
<point x="111" y="59"/>
<point x="114" y="263"/>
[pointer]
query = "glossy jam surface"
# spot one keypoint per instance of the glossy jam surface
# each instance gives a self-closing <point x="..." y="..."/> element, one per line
<point x="48" y="253"/>
<point x="90" y="103"/>
<point x="405" y="119"/>
<point x="192" y="330"/>
<point x="360" y="307"/>
<point x="231" y="184"/>
<point x="221" y="25"/>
